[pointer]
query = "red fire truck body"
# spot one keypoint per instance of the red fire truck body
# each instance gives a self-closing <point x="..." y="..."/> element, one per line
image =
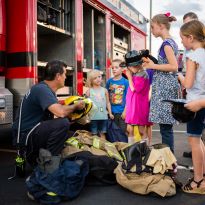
<point x="86" y="34"/>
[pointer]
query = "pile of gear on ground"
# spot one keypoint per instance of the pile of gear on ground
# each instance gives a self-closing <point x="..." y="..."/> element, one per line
<point x="90" y="159"/>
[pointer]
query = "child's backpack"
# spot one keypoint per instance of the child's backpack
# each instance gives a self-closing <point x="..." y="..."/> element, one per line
<point x="115" y="133"/>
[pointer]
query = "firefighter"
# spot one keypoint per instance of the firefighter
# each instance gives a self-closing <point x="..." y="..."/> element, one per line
<point x="35" y="126"/>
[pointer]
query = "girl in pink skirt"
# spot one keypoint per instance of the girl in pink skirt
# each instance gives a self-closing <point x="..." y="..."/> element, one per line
<point x="137" y="99"/>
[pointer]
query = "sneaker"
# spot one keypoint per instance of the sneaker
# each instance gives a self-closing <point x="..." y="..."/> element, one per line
<point x="187" y="154"/>
<point x="48" y="198"/>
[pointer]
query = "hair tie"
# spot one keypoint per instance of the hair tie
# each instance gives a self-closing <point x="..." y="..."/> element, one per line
<point x="167" y="14"/>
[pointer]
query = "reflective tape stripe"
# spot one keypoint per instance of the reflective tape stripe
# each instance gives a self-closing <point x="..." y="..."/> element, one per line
<point x="51" y="193"/>
<point x="73" y="141"/>
<point x="96" y="143"/>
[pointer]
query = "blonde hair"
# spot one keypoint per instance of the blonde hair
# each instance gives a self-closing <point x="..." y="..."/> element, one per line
<point x="196" y="29"/>
<point x="91" y="76"/>
<point x="117" y="61"/>
<point x="163" y="19"/>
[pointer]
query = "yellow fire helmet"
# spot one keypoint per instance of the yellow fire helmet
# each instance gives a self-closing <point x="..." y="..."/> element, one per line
<point x="77" y="114"/>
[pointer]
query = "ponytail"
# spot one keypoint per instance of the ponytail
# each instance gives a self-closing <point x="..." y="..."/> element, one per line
<point x="172" y="18"/>
<point x="164" y="19"/>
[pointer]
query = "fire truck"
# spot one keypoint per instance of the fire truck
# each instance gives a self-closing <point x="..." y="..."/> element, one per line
<point x="85" y="34"/>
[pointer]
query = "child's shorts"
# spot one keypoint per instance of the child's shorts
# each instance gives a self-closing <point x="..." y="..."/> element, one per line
<point x="98" y="126"/>
<point x="196" y="126"/>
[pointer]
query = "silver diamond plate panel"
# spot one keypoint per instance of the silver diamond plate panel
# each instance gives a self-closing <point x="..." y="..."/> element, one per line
<point x="6" y="114"/>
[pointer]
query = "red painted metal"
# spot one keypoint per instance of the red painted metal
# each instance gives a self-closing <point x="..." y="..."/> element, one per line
<point x="22" y="35"/>
<point x="80" y="83"/>
<point x="108" y="34"/>
<point x="2" y="32"/>
<point x="138" y="37"/>
<point x="138" y="40"/>
<point x="79" y="45"/>
<point x="21" y="72"/>
<point x="117" y="17"/>
<point x="22" y="32"/>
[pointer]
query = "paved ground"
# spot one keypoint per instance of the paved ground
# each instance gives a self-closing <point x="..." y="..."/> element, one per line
<point x="14" y="192"/>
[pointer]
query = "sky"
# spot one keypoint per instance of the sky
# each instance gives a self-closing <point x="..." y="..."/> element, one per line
<point x="177" y="8"/>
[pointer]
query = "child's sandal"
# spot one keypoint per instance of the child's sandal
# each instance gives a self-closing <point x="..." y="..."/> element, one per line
<point x="196" y="190"/>
<point x="192" y="178"/>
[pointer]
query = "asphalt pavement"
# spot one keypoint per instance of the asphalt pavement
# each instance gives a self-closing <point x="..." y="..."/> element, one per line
<point x="14" y="192"/>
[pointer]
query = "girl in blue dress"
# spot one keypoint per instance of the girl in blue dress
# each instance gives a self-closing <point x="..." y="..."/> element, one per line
<point x="164" y="84"/>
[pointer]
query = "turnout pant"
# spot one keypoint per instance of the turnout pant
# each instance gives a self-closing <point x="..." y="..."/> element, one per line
<point x="50" y="135"/>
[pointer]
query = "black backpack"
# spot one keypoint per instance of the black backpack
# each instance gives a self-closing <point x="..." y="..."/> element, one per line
<point x="115" y="133"/>
<point x="101" y="168"/>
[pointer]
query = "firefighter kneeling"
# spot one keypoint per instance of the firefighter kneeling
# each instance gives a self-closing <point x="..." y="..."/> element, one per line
<point x="35" y="126"/>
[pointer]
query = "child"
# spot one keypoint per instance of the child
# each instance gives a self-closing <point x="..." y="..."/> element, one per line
<point x="186" y="18"/>
<point x="99" y="96"/>
<point x="193" y="38"/>
<point x="117" y="89"/>
<point x="189" y="17"/>
<point x="164" y="83"/>
<point x="137" y="99"/>
<point x="195" y="105"/>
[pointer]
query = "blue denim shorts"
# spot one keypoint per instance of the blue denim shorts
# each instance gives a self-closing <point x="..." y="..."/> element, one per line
<point x="98" y="126"/>
<point x="196" y="126"/>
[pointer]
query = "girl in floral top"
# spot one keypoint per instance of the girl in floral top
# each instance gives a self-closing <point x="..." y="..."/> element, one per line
<point x="164" y="84"/>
